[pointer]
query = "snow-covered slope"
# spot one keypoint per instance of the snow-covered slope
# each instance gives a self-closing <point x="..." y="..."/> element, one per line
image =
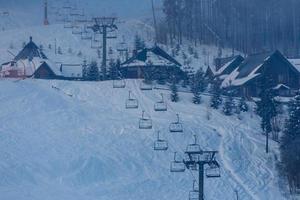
<point x="79" y="142"/>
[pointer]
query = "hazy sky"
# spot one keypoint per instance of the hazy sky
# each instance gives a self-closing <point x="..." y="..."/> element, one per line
<point x="122" y="8"/>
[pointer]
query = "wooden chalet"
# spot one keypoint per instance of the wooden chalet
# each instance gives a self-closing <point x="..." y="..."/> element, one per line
<point x="153" y="61"/>
<point x="246" y="78"/>
<point x="32" y="62"/>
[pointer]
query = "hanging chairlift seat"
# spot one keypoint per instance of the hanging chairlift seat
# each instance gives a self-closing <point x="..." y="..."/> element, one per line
<point x="160" y="144"/>
<point x="68" y="24"/>
<point x="176" y="127"/>
<point x="176" y="165"/>
<point x="76" y="30"/>
<point x="119" y="83"/>
<point x="132" y="103"/>
<point x="161" y="106"/>
<point x="145" y="123"/>
<point x="145" y="86"/>
<point x="213" y="171"/>
<point x="194" y="194"/>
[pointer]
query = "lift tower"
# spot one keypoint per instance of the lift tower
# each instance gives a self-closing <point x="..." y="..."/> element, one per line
<point x="105" y="26"/>
<point x="196" y="159"/>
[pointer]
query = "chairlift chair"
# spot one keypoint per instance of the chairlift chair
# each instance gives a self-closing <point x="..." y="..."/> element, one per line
<point x="119" y="82"/>
<point x="76" y="30"/>
<point x="213" y="171"/>
<point x="95" y="44"/>
<point x="193" y="152"/>
<point x="68" y="23"/>
<point x="145" y="86"/>
<point x="161" y="105"/>
<point x="194" y="194"/>
<point x="177" y="165"/>
<point x="132" y="103"/>
<point x="160" y="144"/>
<point x="145" y="122"/>
<point x="176" y="127"/>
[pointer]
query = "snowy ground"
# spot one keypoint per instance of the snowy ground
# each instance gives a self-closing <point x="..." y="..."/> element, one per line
<point x="80" y="142"/>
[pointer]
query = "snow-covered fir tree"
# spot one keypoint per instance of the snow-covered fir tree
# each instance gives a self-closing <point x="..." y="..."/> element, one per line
<point x="85" y="70"/>
<point x="290" y="146"/>
<point x="59" y="51"/>
<point x="174" y="90"/>
<point x="242" y="105"/>
<point x="93" y="71"/>
<point x="138" y="43"/>
<point x="228" y="106"/>
<point x="198" y="86"/>
<point x="216" y="99"/>
<point x="266" y="107"/>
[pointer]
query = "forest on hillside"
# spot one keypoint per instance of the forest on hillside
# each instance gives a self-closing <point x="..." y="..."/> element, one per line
<point x="243" y="25"/>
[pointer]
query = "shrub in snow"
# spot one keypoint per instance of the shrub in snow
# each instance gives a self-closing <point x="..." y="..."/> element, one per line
<point x="229" y="104"/>
<point x="93" y="71"/>
<point x="216" y="99"/>
<point x="243" y="106"/>
<point x="174" y="91"/>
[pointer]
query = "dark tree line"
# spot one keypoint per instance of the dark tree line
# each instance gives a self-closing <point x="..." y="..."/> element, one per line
<point x="247" y="26"/>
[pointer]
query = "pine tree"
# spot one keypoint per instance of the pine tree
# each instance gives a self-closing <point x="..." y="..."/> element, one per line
<point x="174" y="91"/>
<point x="229" y="104"/>
<point x="138" y="43"/>
<point x="113" y="71"/>
<point x="216" y="99"/>
<point x="243" y="106"/>
<point x="266" y="107"/>
<point x="290" y="143"/>
<point x="59" y="51"/>
<point x="93" y="71"/>
<point x="84" y="71"/>
<point x="198" y="86"/>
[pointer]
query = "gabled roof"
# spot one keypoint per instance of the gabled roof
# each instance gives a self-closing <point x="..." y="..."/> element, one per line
<point x="250" y="68"/>
<point x="230" y="65"/>
<point x="156" y="56"/>
<point x="31" y="50"/>
<point x="251" y="63"/>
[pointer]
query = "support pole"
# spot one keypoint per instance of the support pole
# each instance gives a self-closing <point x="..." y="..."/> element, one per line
<point x="104" y="51"/>
<point x="201" y="181"/>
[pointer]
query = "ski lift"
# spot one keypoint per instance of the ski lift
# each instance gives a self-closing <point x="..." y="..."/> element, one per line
<point x="177" y="165"/>
<point x="68" y="23"/>
<point x="96" y="41"/>
<point x="193" y="152"/>
<point x="161" y="105"/>
<point x="145" y="123"/>
<point x="194" y="194"/>
<point x="131" y="103"/>
<point x="119" y="82"/>
<point x="86" y="35"/>
<point x="213" y="171"/>
<point x="160" y="144"/>
<point x="145" y="86"/>
<point x="194" y="148"/>
<point x="76" y="30"/>
<point x="176" y="127"/>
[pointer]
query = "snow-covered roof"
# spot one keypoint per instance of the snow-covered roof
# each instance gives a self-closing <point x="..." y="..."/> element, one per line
<point x="31" y="50"/>
<point x="249" y="69"/>
<point x="295" y="63"/>
<point x="281" y="86"/>
<point x="229" y="66"/>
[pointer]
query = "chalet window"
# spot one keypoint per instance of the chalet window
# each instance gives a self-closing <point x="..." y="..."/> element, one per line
<point x="281" y="78"/>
